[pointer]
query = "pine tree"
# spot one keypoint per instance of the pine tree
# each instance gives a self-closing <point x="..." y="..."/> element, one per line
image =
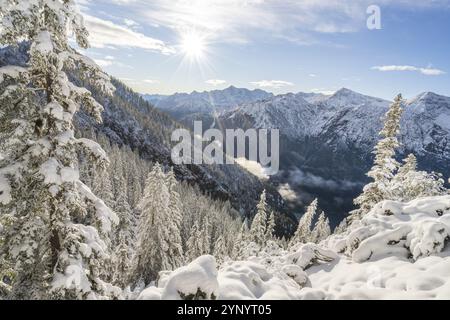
<point x="258" y="230"/>
<point x="341" y="227"/>
<point x="124" y="238"/>
<point x="220" y="250"/>
<point x="270" y="227"/>
<point x="102" y="186"/>
<point x="241" y="241"/>
<point x="194" y="244"/>
<point x="409" y="184"/>
<point x="205" y="235"/>
<point x="385" y="164"/>
<point x="159" y="244"/>
<point x="303" y="234"/>
<point x="322" y="229"/>
<point x="54" y="226"/>
<point x="175" y="218"/>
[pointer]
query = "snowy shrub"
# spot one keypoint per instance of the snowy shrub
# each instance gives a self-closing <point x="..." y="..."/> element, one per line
<point x="310" y="254"/>
<point x="412" y="230"/>
<point x="198" y="280"/>
<point x="296" y="273"/>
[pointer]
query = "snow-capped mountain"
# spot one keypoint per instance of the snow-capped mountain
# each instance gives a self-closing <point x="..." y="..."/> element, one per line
<point x="212" y="102"/>
<point x="326" y="144"/>
<point x="326" y="140"/>
<point x="308" y="115"/>
<point x="426" y="127"/>
<point x="290" y="112"/>
<point x="349" y="120"/>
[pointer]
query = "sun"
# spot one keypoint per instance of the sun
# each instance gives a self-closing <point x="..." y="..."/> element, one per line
<point x="193" y="45"/>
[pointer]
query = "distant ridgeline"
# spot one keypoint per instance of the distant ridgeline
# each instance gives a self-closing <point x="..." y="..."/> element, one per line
<point x="326" y="140"/>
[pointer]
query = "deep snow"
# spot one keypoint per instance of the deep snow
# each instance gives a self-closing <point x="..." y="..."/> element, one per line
<point x="397" y="251"/>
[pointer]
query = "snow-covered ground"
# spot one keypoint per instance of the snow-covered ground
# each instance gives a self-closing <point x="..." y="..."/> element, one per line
<point x="397" y="251"/>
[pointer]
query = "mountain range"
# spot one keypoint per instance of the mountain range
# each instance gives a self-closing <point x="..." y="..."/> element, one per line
<point x="327" y="140"/>
<point x="186" y="108"/>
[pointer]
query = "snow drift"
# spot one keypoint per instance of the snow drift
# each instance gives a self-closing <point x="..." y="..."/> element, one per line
<point x="397" y="251"/>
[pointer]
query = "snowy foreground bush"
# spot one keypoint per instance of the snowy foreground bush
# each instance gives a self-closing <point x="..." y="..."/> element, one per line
<point x="397" y="251"/>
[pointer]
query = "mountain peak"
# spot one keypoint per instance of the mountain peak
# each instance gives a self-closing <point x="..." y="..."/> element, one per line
<point x="430" y="101"/>
<point x="428" y="96"/>
<point x="345" y="92"/>
<point x="348" y="98"/>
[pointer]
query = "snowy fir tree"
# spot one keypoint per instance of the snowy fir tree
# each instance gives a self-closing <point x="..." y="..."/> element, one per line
<point x="194" y="244"/>
<point x="241" y="241"/>
<point x="221" y="250"/>
<point x="173" y="223"/>
<point x="385" y="164"/>
<point x="54" y="227"/>
<point x="124" y="238"/>
<point x="321" y="229"/>
<point x="341" y="227"/>
<point x="159" y="244"/>
<point x="303" y="234"/>
<point x="259" y="228"/>
<point x="205" y="236"/>
<point x="409" y="184"/>
<point x="270" y="229"/>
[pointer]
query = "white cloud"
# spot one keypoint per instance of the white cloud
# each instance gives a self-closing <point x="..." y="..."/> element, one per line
<point x="324" y="91"/>
<point x="105" y="33"/>
<point x="150" y="81"/>
<point x="288" y="193"/>
<point x="426" y="71"/>
<point x="132" y="81"/>
<point x="130" y="23"/>
<point x="236" y="20"/>
<point x="103" y="63"/>
<point x="253" y="167"/>
<point x="215" y="82"/>
<point x="272" y="84"/>
<point x="313" y="75"/>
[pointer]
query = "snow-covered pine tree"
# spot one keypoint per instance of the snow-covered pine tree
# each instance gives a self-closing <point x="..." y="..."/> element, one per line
<point x="241" y="241"/>
<point x="258" y="228"/>
<point x="303" y="234"/>
<point x="270" y="227"/>
<point x="205" y="236"/>
<point x="124" y="239"/>
<point x="52" y="223"/>
<point x="409" y="184"/>
<point x="321" y="229"/>
<point x="102" y="186"/>
<point x="174" y="220"/>
<point x="193" y="244"/>
<point x="220" y="250"/>
<point x="158" y="227"/>
<point x="385" y="164"/>
<point x="341" y="227"/>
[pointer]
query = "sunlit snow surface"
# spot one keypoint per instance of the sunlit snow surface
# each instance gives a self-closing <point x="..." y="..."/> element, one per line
<point x="397" y="251"/>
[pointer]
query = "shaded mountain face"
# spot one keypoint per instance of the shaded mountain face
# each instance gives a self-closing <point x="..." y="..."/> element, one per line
<point x="129" y="120"/>
<point x="327" y="141"/>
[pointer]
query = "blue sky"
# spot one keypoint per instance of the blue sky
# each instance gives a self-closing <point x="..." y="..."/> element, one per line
<point x="167" y="46"/>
